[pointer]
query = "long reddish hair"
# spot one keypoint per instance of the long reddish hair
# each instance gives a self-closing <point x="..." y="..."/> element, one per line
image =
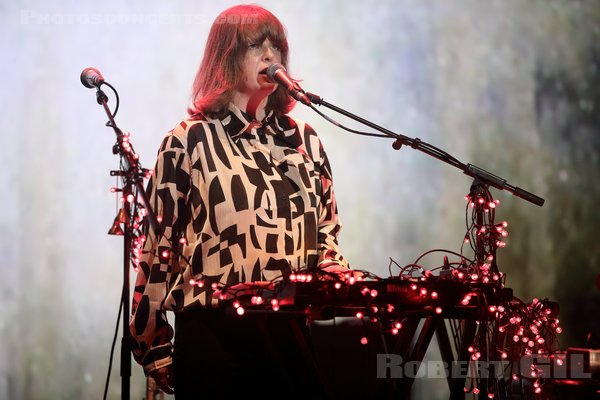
<point x="220" y="71"/>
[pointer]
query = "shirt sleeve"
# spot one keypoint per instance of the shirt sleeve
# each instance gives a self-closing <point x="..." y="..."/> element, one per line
<point x="168" y="188"/>
<point x="329" y="220"/>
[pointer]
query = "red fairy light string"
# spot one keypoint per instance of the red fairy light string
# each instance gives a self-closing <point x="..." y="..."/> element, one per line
<point x="506" y="330"/>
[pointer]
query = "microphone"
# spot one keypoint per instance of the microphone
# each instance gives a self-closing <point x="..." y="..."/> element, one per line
<point x="91" y="78"/>
<point x="278" y="74"/>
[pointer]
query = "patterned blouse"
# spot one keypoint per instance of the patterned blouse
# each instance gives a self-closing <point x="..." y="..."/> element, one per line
<point x="239" y="201"/>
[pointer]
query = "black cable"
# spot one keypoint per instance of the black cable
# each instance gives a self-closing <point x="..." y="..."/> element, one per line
<point x="416" y="144"/>
<point x="413" y="267"/>
<point x="112" y="349"/>
<point x="334" y="122"/>
<point x="441" y="251"/>
<point x="390" y="266"/>
<point x="114" y="114"/>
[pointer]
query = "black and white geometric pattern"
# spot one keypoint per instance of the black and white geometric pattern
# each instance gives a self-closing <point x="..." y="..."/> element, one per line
<point x="241" y="201"/>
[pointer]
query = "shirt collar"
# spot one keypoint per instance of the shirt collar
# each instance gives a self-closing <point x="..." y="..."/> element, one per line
<point x="236" y="122"/>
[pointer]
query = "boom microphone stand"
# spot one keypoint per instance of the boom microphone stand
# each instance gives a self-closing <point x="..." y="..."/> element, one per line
<point x="481" y="175"/>
<point x="132" y="175"/>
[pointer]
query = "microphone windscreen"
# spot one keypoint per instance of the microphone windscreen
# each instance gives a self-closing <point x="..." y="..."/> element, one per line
<point x="272" y="70"/>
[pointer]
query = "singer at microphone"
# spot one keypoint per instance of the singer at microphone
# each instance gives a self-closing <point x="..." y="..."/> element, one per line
<point x="278" y="74"/>
<point x="248" y="190"/>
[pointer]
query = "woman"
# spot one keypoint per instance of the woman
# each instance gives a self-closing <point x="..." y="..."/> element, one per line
<point x="244" y="193"/>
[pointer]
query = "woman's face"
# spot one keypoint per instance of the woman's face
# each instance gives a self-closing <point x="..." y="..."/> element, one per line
<point x="258" y="57"/>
